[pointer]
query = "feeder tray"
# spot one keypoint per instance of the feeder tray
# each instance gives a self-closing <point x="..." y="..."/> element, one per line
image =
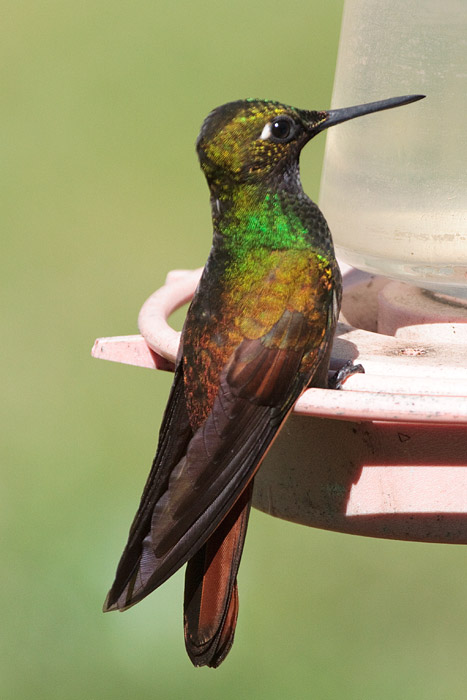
<point x="386" y="456"/>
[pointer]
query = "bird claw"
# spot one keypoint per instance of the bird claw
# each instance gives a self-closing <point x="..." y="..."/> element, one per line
<point x="344" y="373"/>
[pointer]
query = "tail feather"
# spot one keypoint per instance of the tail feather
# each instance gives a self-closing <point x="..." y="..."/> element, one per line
<point x="211" y="595"/>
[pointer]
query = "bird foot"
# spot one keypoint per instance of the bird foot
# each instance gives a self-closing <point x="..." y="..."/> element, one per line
<point x="344" y="373"/>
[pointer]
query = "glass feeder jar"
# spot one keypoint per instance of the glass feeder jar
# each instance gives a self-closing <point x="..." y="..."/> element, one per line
<point x="394" y="186"/>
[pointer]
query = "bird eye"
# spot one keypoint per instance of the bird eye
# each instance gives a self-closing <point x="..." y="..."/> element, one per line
<point x="282" y="128"/>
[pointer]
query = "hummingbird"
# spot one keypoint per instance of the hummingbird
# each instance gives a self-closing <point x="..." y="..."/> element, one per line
<point x="257" y="334"/>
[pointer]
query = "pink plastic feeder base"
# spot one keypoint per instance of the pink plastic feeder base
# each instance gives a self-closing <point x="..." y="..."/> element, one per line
<point x="387" y="455"/>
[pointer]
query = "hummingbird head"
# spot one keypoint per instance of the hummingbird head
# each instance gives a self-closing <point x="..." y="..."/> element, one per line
<point x="248" y="140"/>
<point x="254" y="140"/>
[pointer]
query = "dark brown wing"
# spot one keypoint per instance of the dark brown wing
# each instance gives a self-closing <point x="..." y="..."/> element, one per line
<point x="183" y="503"/>
<point x="174" y="436"/>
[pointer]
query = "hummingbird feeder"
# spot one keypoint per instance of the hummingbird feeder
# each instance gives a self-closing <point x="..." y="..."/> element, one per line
<point x="387" y="455"/>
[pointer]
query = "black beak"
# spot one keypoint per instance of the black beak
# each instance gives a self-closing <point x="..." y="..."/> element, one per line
<point x="337" y="116"/>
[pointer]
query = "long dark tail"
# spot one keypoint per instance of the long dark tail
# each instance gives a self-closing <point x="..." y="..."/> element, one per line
<point x="211" y="595"/>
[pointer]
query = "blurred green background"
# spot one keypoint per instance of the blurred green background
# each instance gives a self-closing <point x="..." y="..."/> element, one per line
<point x="101" y="195"/>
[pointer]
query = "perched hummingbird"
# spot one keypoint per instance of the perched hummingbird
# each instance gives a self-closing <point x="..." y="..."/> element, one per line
<point x="258" y="332"/>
